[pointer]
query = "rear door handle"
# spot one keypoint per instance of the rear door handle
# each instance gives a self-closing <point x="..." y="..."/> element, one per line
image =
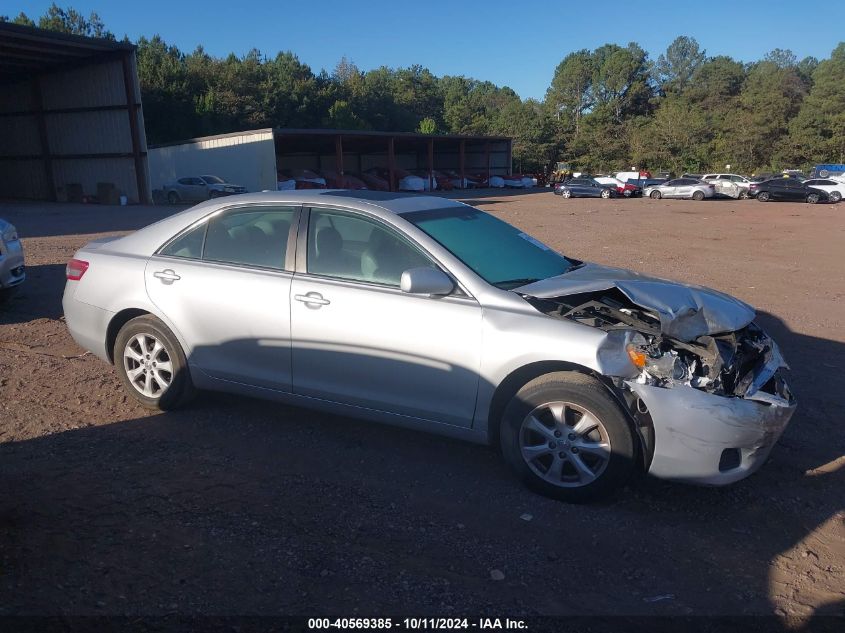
<point x="312" y="300"/>
<point x="167" y="276"/>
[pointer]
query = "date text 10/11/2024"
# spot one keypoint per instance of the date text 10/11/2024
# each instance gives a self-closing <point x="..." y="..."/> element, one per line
<point x="416" y="623"/>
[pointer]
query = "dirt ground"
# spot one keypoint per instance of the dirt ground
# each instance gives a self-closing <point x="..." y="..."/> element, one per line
<point x="237" y="506"/>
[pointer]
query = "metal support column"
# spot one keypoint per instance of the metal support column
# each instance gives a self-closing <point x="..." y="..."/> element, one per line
<point x="46" y="158"/>
<point x="391" y="162"/>
<point x="338" y="151"/>
<point x="487" y="160"/>
<point x="462" y="159"/>
<point x="132" y="108"/>
<point x="431" y="164"/>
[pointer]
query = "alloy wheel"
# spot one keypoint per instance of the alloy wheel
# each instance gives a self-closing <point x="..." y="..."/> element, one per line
<point x="566" y="193"/>
<point x="564" y="444"/>
<point x="147" y="364"/>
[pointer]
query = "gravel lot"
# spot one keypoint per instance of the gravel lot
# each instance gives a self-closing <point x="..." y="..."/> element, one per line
<point x="237" y="506"/>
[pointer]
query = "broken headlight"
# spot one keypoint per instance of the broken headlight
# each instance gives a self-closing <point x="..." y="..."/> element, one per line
<point x="657" y="362"/>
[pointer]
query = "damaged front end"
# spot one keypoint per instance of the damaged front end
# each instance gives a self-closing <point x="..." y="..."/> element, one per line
<point x="740" y="364"/>
<point x="717" y="401"/>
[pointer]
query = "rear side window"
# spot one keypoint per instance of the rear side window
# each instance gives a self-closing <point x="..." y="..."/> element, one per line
<point x="249" y="236"/>
<point x="188" y="245"/>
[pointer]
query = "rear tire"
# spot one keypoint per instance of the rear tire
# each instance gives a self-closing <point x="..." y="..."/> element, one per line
<point x="655" y="195"/>
<point x="698" y="195"/>
<point x="566" y="438"/>
<point x="152" y="365"/>
<point x="835" y="196"/>
<point x="763" y="196"/>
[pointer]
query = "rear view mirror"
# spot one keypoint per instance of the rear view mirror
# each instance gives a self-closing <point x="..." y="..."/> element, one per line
<point x="426" y="281"/>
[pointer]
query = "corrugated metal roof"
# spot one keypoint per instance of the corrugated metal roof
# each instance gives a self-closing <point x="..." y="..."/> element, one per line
<point x="25" y="51"/>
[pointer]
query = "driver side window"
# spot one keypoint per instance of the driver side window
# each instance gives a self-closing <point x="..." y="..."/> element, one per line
<point x="351" y="247"/>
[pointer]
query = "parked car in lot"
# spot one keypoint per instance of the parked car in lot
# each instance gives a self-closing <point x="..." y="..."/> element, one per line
<point x="12" y="270"/>
<point x="198" y="188"/>
<point x="732" y="185"/>
<point x="431" y="314"/>
<point x="786" y="189"/>
<point x="584" y="188"/>
<point x="626" y="189"/>
<point x="835" y="189"/>
<point x="681" y="188"/>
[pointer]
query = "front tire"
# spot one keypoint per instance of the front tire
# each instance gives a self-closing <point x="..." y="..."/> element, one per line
<point x="763" y="196"/>
<point x="566" y="193"/>
<point x="152" y="365"/>
<point x="813" y="198"/>
<point x="173" y="197"/>
<point x="655" y="195"/>
<point x="835" y="196"/>
<point x="605" y="194"/>
<point x="566" y="438"/>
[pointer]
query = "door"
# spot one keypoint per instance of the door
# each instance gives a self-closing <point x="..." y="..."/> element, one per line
<point x="359" y="340"/>
<point x="225" y="287"/>
<point x="684" y="188"/>
<point x="778" y="190"/>
<point x="670" y="189"/>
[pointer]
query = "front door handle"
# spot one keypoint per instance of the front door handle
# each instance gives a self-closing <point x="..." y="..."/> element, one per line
<point x="312" y="300"/>
<point x="167" y="276"/>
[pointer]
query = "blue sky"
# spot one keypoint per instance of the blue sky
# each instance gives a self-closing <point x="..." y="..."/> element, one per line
<point x="509" y="43"/>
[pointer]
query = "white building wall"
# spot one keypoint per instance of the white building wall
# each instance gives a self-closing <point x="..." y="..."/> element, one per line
<point x="247" y="159"/>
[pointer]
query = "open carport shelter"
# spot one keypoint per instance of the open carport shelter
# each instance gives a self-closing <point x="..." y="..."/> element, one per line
<point x="253" y="158"/>
<point x="71" y="125"/>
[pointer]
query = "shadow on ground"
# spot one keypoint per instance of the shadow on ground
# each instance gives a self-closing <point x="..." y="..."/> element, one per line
<point x="238" y="506"/>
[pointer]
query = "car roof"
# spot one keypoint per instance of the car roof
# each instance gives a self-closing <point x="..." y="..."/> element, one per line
<point x="147" y="239"/>
<point x="362" y="200"/>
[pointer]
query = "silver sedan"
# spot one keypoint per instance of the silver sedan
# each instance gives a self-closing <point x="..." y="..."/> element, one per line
<point x="12" y="271"/>
<point x="431" y="314"/>
<point x="197" y="188"/>
<point x="681" y="188"/>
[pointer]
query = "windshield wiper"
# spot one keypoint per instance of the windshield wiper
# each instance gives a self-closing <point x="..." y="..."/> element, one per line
<point x="515" y="283"/>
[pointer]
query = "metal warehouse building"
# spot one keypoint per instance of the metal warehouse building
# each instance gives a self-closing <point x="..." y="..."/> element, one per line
<point x="254" y="158"/>
<point x="71" y="123"/>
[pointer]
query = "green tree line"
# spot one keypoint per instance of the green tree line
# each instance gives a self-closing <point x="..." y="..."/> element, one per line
<point x="606" y="109"/>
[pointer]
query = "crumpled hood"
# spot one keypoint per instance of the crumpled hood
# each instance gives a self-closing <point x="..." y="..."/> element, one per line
<point x="685" y="311"/>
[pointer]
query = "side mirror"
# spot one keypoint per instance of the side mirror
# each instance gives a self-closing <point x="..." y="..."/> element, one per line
<point x="426" y="281"/>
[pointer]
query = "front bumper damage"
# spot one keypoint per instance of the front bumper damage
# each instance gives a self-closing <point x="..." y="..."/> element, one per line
<point x="689" y="362"/>
<point x="709" y="439"/>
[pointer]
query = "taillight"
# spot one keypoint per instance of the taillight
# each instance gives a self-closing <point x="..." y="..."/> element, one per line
<point x="75" y="269"/>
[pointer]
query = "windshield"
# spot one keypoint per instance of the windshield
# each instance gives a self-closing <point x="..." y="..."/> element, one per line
<point x="498" y="252"/>
<point x="212" y="180"/>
